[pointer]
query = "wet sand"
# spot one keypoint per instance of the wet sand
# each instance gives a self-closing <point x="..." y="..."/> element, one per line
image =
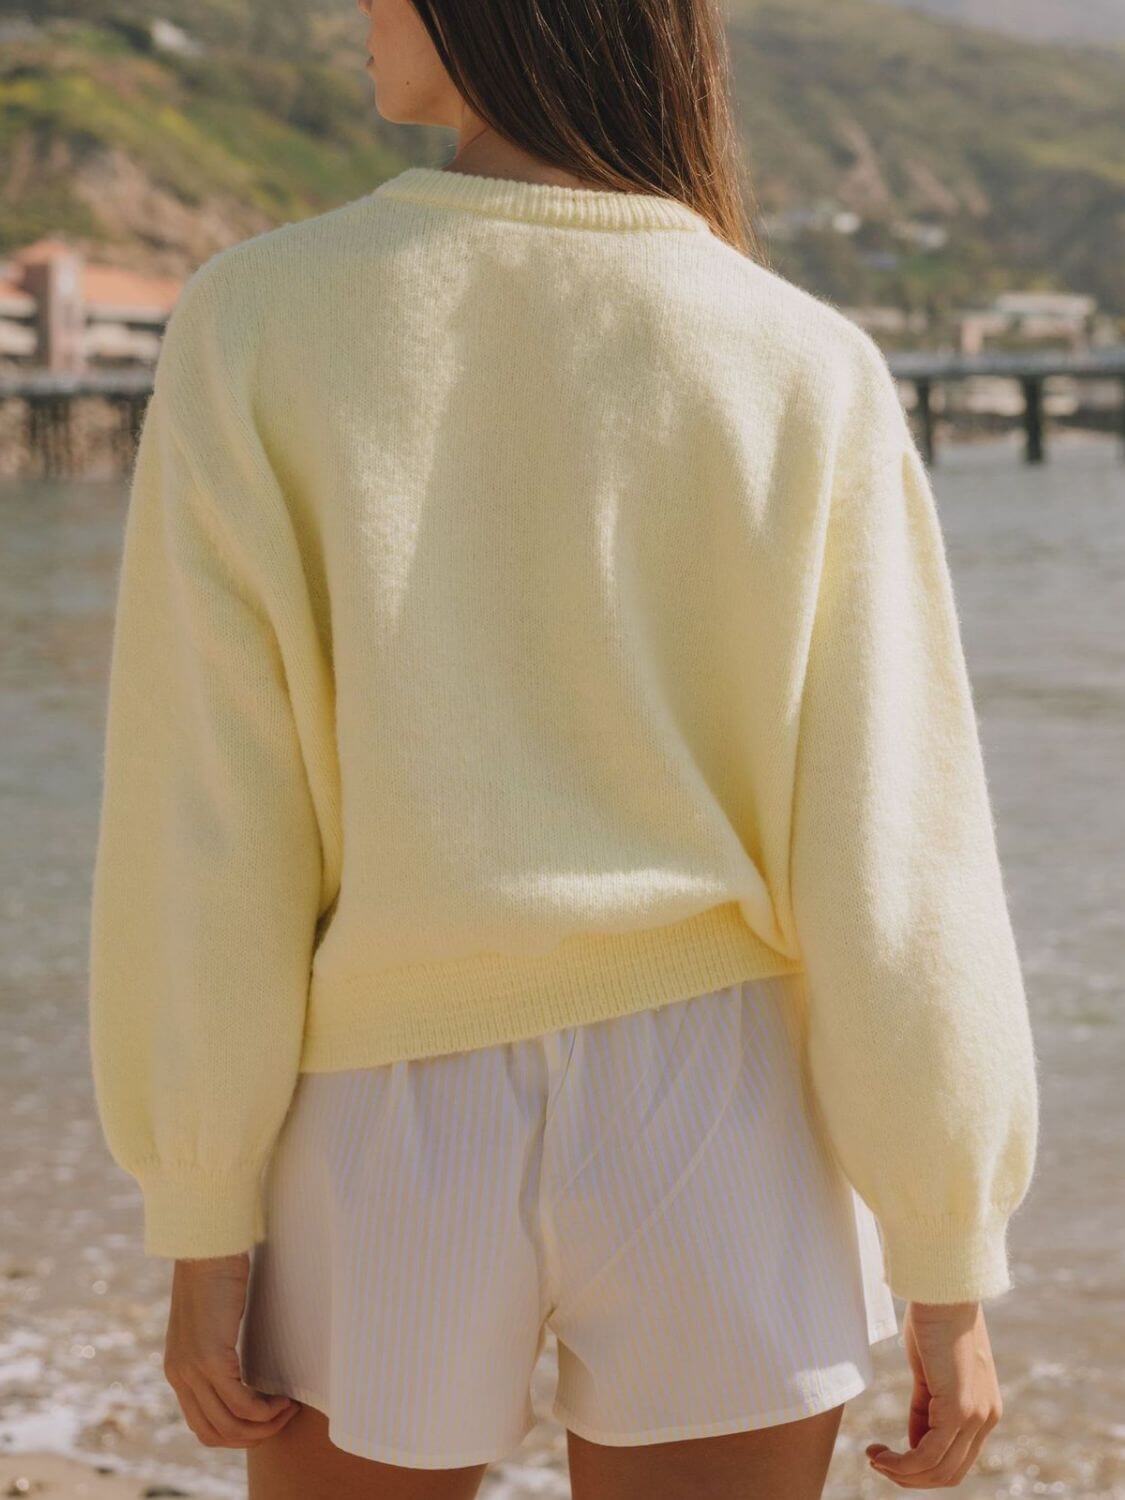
<point x="64" y="1479"/>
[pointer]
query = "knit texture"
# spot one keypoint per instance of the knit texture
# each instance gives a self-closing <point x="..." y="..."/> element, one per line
<point x="532" y="611"/>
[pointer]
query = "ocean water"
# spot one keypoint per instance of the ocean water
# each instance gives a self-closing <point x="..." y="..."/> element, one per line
<point x="1038" y="557"/>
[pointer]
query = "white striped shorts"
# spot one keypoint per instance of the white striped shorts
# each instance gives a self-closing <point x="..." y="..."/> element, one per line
<point x="652" y="1189"/>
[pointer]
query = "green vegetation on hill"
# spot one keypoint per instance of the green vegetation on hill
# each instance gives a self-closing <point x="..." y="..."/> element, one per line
<point x="1019" y="150"/>
<point x="274" y="26"/>
<point x="162" y="157"/>
<point x="1016" y="150"/>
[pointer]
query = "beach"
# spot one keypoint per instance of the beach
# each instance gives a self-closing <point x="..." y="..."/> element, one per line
<point x="47" y="1474"/>
<point x="1038" y="558"/>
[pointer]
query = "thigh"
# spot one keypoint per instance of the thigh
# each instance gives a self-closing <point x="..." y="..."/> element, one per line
<point x="300" y="1462"/>
<point x="786" y="1462"/>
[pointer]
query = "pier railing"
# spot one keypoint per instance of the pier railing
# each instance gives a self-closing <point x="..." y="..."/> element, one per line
<point x="50" y="397"/>
<point x="1031" y="370"/>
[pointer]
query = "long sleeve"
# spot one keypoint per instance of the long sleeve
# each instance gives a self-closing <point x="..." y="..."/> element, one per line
<point x="920" y="1050"/>
<point x="208" y="874"/>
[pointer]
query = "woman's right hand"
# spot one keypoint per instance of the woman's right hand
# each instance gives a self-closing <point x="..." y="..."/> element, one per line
<point x="956" y="1401"/>
<point x="201" y="1361"/>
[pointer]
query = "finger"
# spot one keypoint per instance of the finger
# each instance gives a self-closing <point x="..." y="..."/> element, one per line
<point x="251" y="1405"/>
<point x="918" y="1418"/>
<point x="918" y="1421"/>
<point x="194" y="1417"/>
<point x="233" y="1429"/>
<point x="951" y="1469"/>
<point x="927" y="1455"/>
<point x="955" y="1456"/>
<point x="950" y="1472"/>
<point x="974" y="1450"/>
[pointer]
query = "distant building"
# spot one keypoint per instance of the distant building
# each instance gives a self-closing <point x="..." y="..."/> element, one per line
<point x="824" y="216"/>
<point x="920" y="232"/>
<point x="62" y="313"/>
<point x="1029" y="317"/>
<point x="168" y="37"/>
<point x="1070" y="305"/>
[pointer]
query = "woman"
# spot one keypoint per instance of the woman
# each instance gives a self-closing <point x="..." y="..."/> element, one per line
<point x="544" y="821"/>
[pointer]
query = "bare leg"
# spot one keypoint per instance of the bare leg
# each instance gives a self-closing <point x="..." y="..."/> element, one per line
<point x="299" y="1463"/>
<point x="785" y="1462"/>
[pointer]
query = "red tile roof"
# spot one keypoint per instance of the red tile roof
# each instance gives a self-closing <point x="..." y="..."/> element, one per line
<point x="120" y="288"/>
<point x="110" y="286"/>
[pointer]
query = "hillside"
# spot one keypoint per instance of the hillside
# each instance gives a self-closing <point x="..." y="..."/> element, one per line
<point x="155" y="155"/>
<point x="1017" y="149"/>
<point x="1091" y="21"/>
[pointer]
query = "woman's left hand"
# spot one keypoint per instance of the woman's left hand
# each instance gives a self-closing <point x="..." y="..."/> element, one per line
<point x="201" y="1361"/>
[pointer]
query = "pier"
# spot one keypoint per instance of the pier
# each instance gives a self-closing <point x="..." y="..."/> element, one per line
<point x="84" y="338"/>
<point x="1028" y="370"/>
<point x="49" y="398"/>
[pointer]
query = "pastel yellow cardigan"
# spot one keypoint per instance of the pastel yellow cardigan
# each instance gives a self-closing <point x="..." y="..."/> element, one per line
<point x="532" y="611"/>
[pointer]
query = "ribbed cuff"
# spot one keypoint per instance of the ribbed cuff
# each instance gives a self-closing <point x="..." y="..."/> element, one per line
<point x="946" y="1258"/>
<point x="190" y="1212"/>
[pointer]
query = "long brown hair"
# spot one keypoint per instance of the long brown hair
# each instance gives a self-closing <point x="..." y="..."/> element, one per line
<point x="631" y="94"/>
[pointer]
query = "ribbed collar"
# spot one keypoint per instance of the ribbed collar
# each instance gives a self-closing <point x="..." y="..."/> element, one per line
<point x="540" y="202"/>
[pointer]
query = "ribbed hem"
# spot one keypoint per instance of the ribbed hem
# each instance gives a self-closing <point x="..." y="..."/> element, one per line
<point x="193" y="1213"/>
<point x="946" y="1258"/>
<point x="363" y="1020"/>
<point x="540" y="202"/>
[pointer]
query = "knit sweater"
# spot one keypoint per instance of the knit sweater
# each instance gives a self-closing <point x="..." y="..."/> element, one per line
<point x="531" y="611"/>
